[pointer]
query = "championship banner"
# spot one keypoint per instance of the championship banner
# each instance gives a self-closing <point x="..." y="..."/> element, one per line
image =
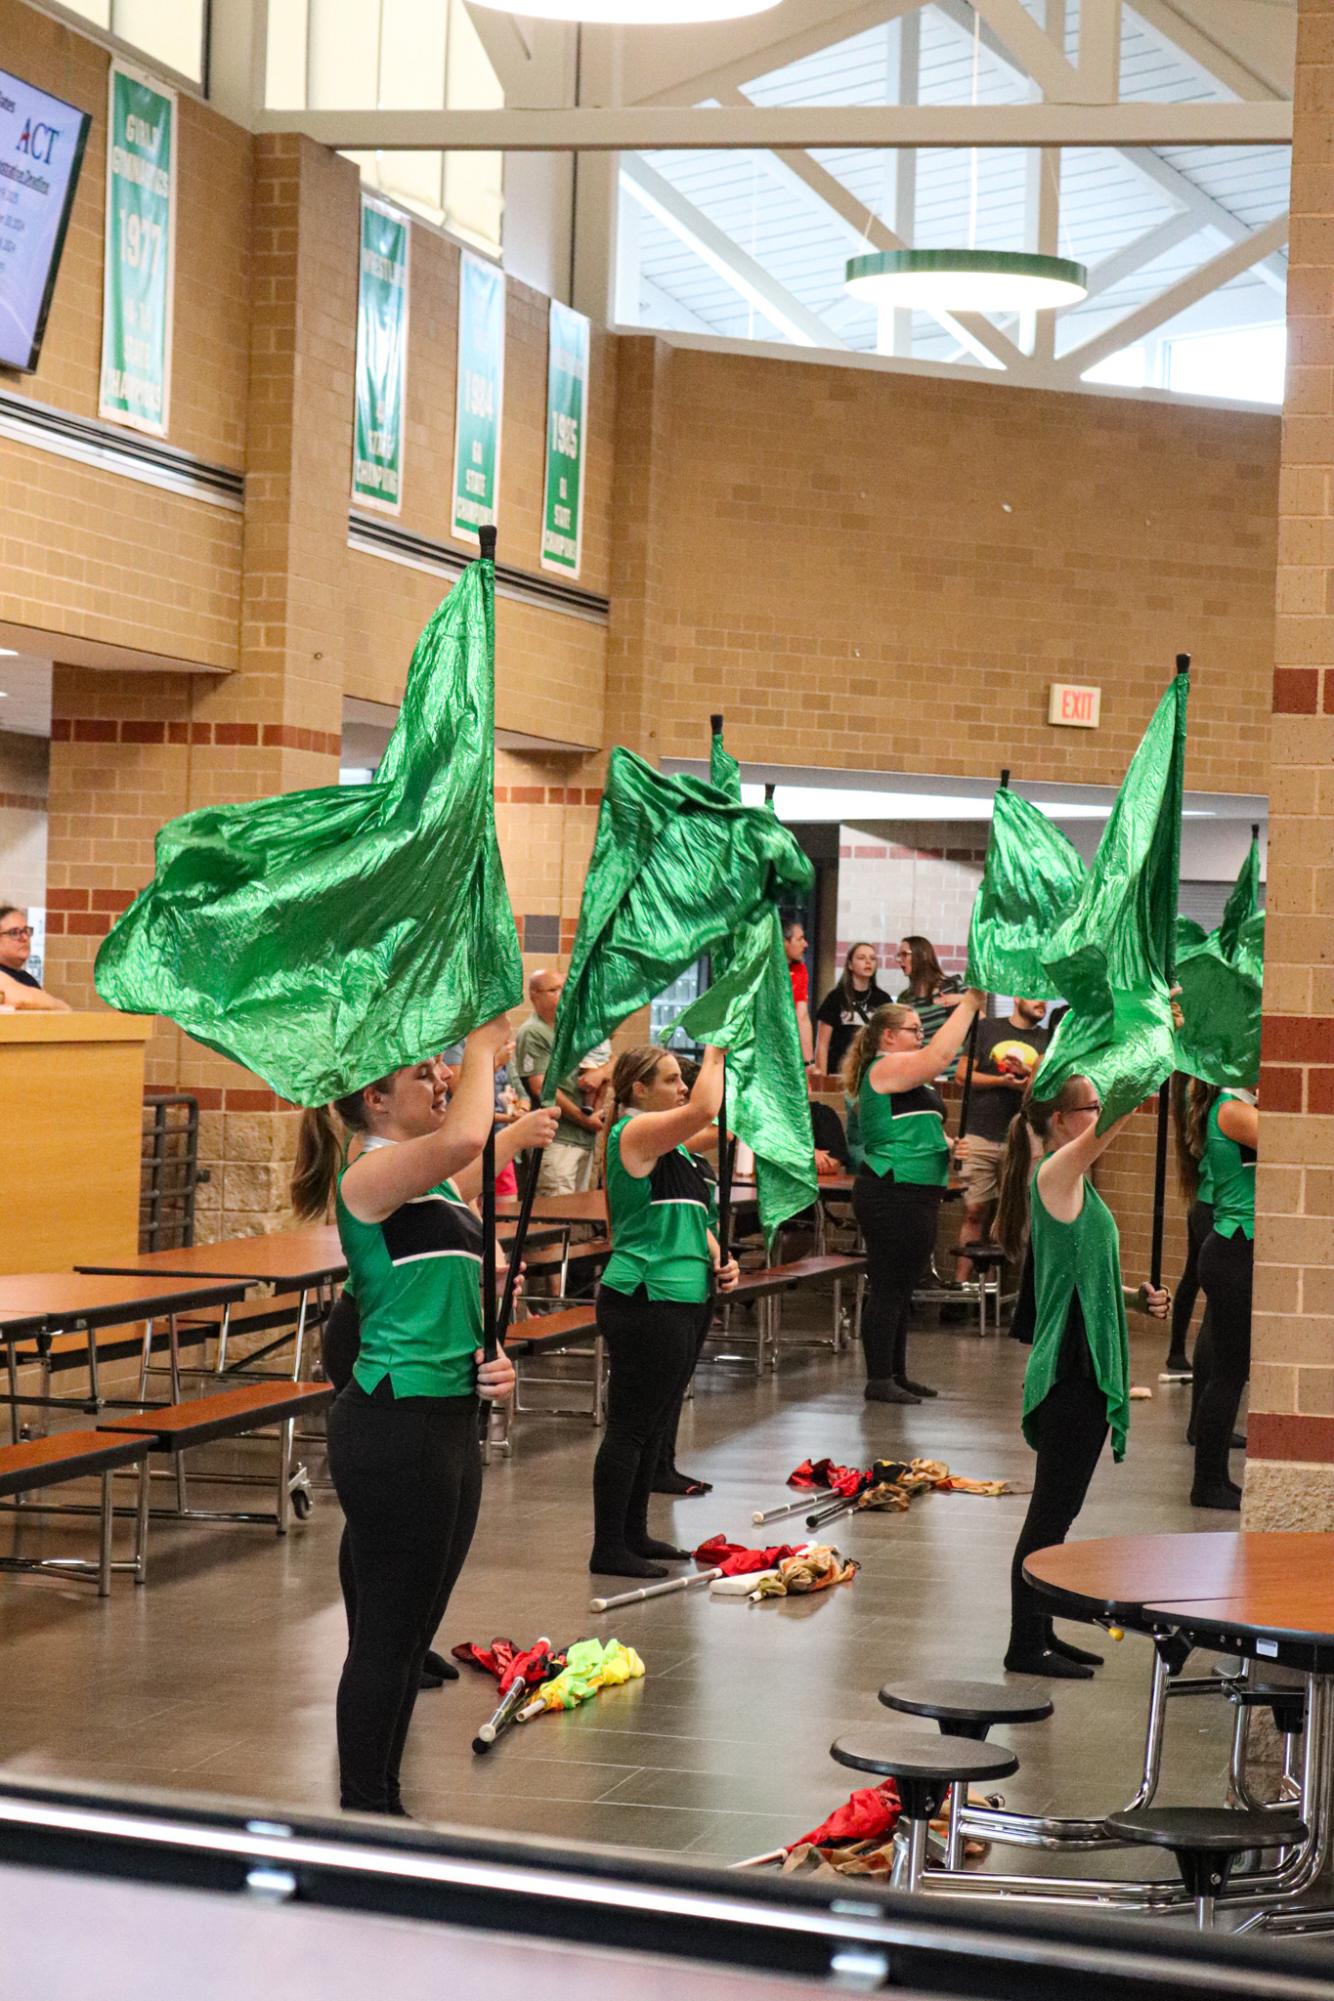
<point x="382" y="357"/>
<point x="481" y="395"/>
<point x="567" y="405"/>
<point x="140" y="252"/>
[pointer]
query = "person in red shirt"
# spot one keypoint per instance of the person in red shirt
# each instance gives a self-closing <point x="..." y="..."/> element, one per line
<point x="794" y="943"/>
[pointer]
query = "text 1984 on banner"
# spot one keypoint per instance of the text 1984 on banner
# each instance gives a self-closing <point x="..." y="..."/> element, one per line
<point x="567" y="415"/>
<point x="382" y="356"/>
<point x="140" y="244"/>
<point x="481" y="394"/>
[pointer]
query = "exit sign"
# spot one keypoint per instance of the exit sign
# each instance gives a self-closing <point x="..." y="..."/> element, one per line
<point x="1075" y="708"/>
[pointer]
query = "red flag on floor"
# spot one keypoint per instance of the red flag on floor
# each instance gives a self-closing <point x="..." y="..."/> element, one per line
<point x="734" y="1559"/>
<point x="871" y="1814"/>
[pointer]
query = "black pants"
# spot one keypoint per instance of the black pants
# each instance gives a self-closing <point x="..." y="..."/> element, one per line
<point x="1225" y="1273"/>
<point x="1199" y="1222"/>
<point x="651" y="1347"/>
<point x="409" y="1477"/>
<point x="1071" y="1429"/>
<point x="898" y="1224"/>
<point x="667" y="1449"/>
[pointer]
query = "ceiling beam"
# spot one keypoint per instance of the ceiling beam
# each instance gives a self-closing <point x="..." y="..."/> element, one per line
<point x="1203" y="52"/>
<point x="1213" y="273"/>
<point x="716" y="249"/>
<point x="718" y="58"/>
<point x="1208" y="212"/>
<point x="1100" y="49"/>
<point x="1145" y="249"/>
<point x="1036" y="52"/>
<point x="648" y="128"/>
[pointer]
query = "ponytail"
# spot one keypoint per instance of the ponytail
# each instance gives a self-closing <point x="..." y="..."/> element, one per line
<point x="865" y="1045"/>
<point x="1196" y="1100"/>
<point x="319" y="1150"/>
<point x="1031" y="1122"/>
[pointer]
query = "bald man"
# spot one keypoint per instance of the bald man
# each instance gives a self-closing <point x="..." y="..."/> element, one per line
<point x="567" y="1164"/>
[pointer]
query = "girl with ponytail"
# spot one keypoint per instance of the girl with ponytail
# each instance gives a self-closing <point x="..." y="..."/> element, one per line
<point x="1077" y="1383"/>
<point x="905" y="1165"/>
<point x="1192" y="1102"/>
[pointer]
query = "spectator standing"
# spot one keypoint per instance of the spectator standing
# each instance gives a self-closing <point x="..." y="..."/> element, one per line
<point x="847" y="1007"/>
<point x="794" y="944"/>
<point x="932" y="992"/>
<point x="567" y="1165"/>
<point x="1008" y="1053"/>
<point x="18" y="988"/>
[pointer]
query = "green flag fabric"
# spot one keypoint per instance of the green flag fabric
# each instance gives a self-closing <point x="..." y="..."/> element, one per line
<point x="1221" y="977"/>
<point x="1030" y="883"/>
<point x="325" y="938"/>
<point x="748" y="1011"/>
<point x="680" y="869"/>
<point x="1113" y="957"/>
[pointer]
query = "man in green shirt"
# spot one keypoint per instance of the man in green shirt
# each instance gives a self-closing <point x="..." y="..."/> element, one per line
<point x="567" y="1164"/>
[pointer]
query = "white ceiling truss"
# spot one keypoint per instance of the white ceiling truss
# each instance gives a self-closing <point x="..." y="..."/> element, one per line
<point x="1148" y="139"/>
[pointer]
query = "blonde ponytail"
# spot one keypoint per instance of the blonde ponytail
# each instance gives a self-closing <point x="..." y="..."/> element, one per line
<point x="865" y="1045"/>
<point x="319" y="1154"/>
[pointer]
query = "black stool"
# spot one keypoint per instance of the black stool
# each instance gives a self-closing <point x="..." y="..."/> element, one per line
<point x="1205" y="1842"/>
<point x="923" y="1768"/>
<point x="966" y="1709"/>
<point x="985" y="1259"/>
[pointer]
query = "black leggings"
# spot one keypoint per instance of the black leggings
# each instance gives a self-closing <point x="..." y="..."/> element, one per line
<point x="898" y="1224"/>
<point x="651" y="1347"/>
<point x="1199" y="1222"/>
<point x="667" y="1448"/>
<point x="409" y="1477"/>
<point x="1225" y="1273"/>
<point x="1071" y="1428"/>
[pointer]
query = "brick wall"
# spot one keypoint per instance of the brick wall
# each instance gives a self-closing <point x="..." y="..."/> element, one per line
<point x="1290" y="1475"/>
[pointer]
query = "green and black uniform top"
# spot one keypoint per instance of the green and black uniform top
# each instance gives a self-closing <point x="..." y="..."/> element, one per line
<point x="1080" y="1310"/>
<point x="902" y="1134"/>
<point x="417" y="1278"/>
<point x="1205" y="1190"/>
<point x="659" y="1226"/>
<point x="1232" y="1172"/>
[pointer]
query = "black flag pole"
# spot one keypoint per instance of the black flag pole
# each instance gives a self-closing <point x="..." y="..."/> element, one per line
<point x="724" y="1145"/>
<point x="493" y="1323"/>
<point x="970" y="1052"/>
<point x="1164" y="1096"/>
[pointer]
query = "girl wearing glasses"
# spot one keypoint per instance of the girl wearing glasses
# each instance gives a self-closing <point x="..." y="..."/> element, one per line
<point x="18" y="988"/>
<point x="905" y="1166"/>
<point x="1077" y="1384"/>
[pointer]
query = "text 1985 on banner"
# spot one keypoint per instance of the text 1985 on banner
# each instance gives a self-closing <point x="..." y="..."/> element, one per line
<point x="567" y="419"/>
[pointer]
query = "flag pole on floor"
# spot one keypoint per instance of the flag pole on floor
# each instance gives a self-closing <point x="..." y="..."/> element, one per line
<point x="1164" y="1092"/>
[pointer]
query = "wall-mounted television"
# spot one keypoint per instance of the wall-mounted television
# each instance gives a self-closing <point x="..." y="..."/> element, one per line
<point x="41" y="151"/>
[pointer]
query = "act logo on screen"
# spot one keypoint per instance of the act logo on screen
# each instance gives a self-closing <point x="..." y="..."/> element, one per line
<point x="38" y="140"/>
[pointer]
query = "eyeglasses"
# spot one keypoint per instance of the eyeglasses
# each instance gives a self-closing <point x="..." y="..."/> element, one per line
<point x="1094" y="1107"/>
<point x="17" y="931"/>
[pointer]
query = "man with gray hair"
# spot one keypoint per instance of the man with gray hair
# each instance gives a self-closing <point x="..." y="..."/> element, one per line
<point x="567" y="1164"/>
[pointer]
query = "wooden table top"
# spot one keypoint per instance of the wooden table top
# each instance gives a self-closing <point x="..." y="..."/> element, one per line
<point x="51" y="1299"/>
<point x="293" y="1258"/>
<point x="1297" y="1607"/>
<point x="588" y="1205"/>
<point x="1131" y="1576"/>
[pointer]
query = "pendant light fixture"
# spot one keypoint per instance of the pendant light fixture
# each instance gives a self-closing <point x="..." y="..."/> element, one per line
<point x="971" y="280"/>
<point x="631" y="13"/>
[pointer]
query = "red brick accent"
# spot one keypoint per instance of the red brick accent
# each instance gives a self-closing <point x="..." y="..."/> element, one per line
<point x="1296" y="691"/>
<point x="88" y="924"/>
<point x="60" y="729"/>
<point x="247" y="733"/>
<point x="208" y="1098"/>
<point x="1320" y="1091"/>
<point x="55" y="923"/>
<point x="66" y="899"/>
<point x="1283" y="1435"/>
<point x="178" y="732"/>
<point x="501" y="795"/>
<point x="1280" y="1088"/>
<point x="143" y="732"/>
<point x="1329" y="692"/>
<point x="24" y="801"/>
<point x="114" y="900"/>
<point x="527" y="795"/>
<point x="201" y="732"/>
<point x="286" y="736"/>
<point x="236" y="1099"/>
<point x="1294" y="1038"/>
<point x="94" y="729"/>
<point x="592" y="795"/>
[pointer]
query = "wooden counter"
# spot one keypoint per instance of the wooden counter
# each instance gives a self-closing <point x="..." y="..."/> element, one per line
<point x="72" y="1092"/>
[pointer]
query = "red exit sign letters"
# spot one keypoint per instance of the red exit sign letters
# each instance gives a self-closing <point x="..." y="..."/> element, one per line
<point x="1074" y="708"/>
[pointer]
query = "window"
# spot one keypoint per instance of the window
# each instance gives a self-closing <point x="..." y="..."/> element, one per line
<point x="168" y="32"/>
<point x="396" y="55"/>
<point x="1246" y="363"/>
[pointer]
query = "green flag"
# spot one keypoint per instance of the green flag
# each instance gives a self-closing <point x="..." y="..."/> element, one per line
<point x="1030" y="883"/>
<point x="1221" y="977"/>
<point x="1112" y="958"/>
<point x="325" y="938"/>
<point x="749" y="1011"/>
<point x="678" y="870"/>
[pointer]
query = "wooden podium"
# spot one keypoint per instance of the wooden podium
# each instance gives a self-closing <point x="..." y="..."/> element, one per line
<point x="73" y="1095"/>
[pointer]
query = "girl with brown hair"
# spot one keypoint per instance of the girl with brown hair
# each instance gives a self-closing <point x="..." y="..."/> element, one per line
<point x="1077" y="1383"/>
<point x="1192" y="1102"/>
<point x="656" y="1295"/>
<point x="905" y="1165"/>
<point x="847" y="1007"/>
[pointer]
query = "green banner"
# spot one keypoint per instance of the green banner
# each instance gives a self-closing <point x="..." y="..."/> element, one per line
<point x="567" y="408"/>
<point x="382" y="356"/>
<point x="140" y="252"/>
<point x="481" y="395"/>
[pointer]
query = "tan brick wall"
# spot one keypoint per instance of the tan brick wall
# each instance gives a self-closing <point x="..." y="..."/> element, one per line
<point x="1290" y="1479"/>
<point x="886" y="571"/>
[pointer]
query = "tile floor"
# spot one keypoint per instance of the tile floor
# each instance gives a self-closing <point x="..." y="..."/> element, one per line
<point x="219" y="1678"/>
